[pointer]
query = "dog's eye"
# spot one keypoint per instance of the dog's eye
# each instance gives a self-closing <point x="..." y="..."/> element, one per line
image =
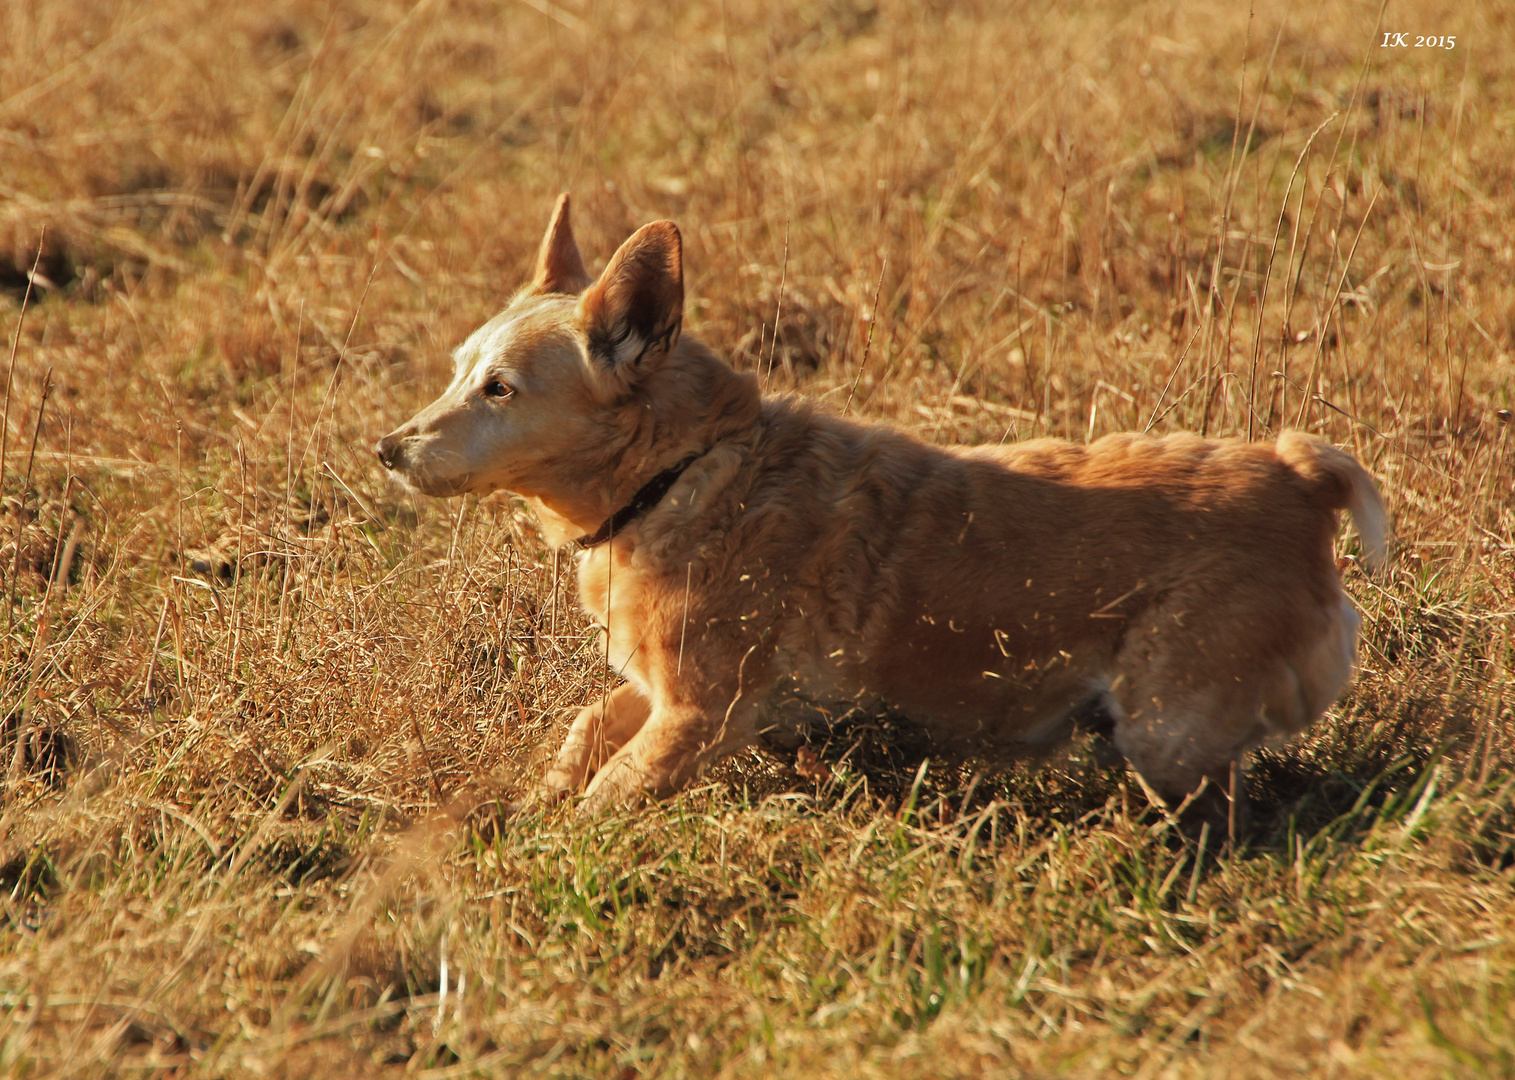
<point x="497" y="389"/>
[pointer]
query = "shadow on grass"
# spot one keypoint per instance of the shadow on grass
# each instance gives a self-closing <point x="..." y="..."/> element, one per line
<point x="1346" y="774"/>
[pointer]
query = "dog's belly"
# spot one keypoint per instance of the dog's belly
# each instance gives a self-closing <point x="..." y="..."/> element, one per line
<point x="996" y="714"/>
<point x="795" y="713"/>
<point x="959" y="702"/>
<point x="985" y="675"/>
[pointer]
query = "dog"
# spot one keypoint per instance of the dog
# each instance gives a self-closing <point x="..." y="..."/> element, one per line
<point x="755" y="562"/>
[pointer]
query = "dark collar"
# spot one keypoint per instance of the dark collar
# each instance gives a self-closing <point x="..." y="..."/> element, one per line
<point x="648" y="496"/>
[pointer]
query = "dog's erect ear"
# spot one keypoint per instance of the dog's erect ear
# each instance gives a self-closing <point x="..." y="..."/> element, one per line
<point x="633" y="313"/>
<point x="560" y="268"/>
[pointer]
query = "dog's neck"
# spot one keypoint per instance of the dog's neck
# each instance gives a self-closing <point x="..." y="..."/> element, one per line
<point x="647" y="496"/>
<point x="693" y="402"/>
<point x="557" y="529"/>
<point x="565" y="518"/>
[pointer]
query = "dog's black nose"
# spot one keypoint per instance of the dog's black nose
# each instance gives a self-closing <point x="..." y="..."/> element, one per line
<point x="388" y="449"/>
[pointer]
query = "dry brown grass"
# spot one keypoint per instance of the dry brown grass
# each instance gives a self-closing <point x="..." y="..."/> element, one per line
<point x="241" y="673"/>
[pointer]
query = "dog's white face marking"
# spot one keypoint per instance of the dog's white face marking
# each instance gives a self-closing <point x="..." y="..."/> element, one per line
<point x="485" y="352"/>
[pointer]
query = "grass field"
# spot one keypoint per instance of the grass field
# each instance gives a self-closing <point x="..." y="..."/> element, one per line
<point x="243" y="674"/>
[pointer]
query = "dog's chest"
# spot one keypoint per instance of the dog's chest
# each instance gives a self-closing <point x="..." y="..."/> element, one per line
<point x="612" y="592"/>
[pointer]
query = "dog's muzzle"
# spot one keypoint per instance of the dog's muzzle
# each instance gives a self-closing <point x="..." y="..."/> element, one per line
<point x="389" y="449"/>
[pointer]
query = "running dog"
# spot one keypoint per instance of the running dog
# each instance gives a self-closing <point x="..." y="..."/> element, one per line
<point x="756" y="562"/>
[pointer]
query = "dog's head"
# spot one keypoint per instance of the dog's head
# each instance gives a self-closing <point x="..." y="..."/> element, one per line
<point x="552" y="396"/>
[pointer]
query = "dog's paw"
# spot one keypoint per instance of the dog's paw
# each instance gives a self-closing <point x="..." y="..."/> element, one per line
<point x="618" y="789"/>
<point x="488" y="813"/>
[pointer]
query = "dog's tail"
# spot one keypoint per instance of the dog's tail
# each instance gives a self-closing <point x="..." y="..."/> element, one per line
<point x="1346" y="485"/>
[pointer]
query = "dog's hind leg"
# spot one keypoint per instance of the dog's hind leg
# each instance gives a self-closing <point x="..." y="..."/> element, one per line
<point x="1192" y="756"/>
<point x="1190" y="718"/>
<point x="596" y="734"/>
<point x="1185" y="721"/>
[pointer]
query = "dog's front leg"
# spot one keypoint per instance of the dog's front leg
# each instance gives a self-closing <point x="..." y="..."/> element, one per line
<point x="664" y="756"/>
<point x="596" y="734"/>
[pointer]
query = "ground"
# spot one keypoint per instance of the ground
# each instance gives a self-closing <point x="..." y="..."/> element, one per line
<point x="244" y="675"/>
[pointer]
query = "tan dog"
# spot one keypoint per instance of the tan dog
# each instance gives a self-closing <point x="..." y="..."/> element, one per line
<point x="755" y="562"/>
